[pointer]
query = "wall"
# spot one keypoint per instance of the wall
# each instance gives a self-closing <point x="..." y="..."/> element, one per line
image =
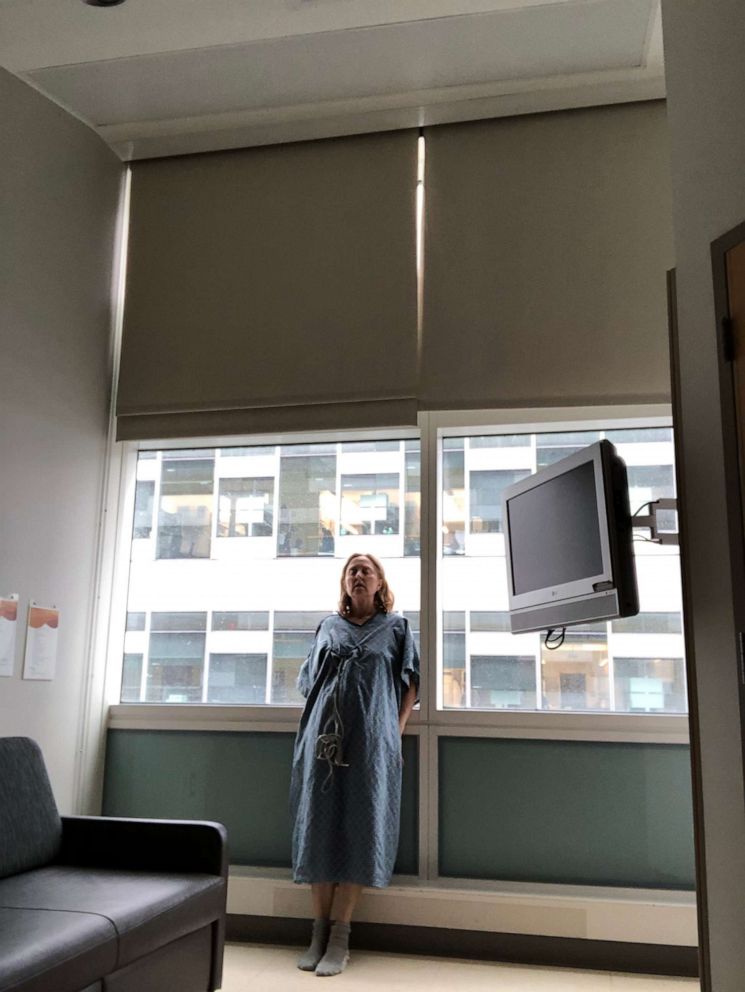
<point x="59" y="196"/>
<point x="706" y="116"/>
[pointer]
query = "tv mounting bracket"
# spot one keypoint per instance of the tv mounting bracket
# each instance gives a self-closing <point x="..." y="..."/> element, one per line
<point x="650" y="520"/>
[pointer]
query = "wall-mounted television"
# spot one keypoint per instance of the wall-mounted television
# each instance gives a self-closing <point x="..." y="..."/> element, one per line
<point x="568" y="539"/>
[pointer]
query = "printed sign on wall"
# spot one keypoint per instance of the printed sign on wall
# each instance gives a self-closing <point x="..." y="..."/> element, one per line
<point x="41" y="642"/>
<point x="8" y="626"/>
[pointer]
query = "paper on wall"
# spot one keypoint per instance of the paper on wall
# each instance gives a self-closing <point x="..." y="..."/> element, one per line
<point x="8" y="626"/>
<point x="41" y="642"/>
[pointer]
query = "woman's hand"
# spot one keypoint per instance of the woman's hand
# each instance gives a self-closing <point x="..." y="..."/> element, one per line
<point x="407" y="705"/>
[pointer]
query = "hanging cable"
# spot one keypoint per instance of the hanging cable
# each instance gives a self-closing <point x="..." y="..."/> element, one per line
<point x="554" y="638"/>
<point x="329" y="743"/>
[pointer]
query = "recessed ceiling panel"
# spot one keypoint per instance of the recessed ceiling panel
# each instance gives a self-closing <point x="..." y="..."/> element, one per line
<point x="40" y="33"/>
<point x="522" y="43"/>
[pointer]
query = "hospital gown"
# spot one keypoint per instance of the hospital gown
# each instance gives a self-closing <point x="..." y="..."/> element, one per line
<point x="345" y="792"/>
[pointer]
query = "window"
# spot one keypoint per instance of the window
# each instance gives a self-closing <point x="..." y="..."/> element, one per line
<point x="222" y="612"/>
<point x="630" y="665"/>
<point x="486" y="489"/>
<point x="176" y="658"/>
<point x="506" y="682"/>
<point x="575" y="676"/>
<point x="257" y="620"/>
<point x="228" y="585"/>
<point x="237" y="551"/>
<point x="245" y="508"/>
<point x="144" y="499"/>
<point x="293" y="637"/>
<point x="412" y="498"/>
<point x="647" y="685"/>
<point x="307" y="511"/>
<point x="185" y="512"/>
<point x="490" y="620"/>
<point x="552" y="447"/>
<point x="131" y="678"/>
<point x="237" y="678"/>
<point x="649" y="623"/>
<point x="370" y="504"/>
<point x="454" y="655"/>
<point x="453" y="497"/>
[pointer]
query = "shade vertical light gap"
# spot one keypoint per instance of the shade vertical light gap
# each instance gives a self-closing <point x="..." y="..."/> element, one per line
<point x="420" y="247"/>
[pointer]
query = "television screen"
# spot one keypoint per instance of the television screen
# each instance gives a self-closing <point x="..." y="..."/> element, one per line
<point x="555" y="525"/>
<point x="568" y="542"/>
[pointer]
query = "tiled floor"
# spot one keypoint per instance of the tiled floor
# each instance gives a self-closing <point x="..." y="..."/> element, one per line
<point x="261" y="968"/>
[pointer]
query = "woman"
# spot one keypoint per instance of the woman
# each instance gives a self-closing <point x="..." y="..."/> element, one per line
<point x="360" y="680"/>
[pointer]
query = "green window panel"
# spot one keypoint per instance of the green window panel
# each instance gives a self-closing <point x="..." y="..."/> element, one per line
<point x="239" y="779"/>
<point x="570" y="812"/>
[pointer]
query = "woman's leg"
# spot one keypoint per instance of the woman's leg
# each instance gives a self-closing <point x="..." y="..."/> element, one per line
<point x="322" y="895"/>
<point x="347" y="895"/>
<point x="337" y="950"/>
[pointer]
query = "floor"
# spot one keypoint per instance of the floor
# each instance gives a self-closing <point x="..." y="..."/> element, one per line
<point x="263" y="968"/>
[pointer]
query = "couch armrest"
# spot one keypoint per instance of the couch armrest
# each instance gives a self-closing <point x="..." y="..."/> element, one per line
<point x="146" y="845"/>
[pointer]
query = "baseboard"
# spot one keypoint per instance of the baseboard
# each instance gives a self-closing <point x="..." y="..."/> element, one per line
<point x="557" y="952"/>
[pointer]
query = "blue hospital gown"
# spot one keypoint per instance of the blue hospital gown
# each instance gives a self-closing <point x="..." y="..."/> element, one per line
<point x="346" y="815"/>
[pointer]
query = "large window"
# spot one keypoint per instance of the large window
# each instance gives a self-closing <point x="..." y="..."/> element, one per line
<point x="633" y="665"/>
<point x="235" y="559"/>
<point x="236" y="554"/>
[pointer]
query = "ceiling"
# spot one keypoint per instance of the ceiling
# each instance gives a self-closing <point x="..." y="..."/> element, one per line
<point x="166" y="77"/>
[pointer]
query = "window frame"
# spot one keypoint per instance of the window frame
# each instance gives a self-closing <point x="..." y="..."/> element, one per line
<point x="433" y="427"/>
<point x="163" y="716"/>
<point x="662" y="727"/>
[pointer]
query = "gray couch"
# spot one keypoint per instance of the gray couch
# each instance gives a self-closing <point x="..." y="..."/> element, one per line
<point x="98" y="904"/>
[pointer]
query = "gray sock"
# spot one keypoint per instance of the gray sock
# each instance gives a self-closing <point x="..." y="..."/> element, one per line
<point x="335" y="959"/>
<point x="309" y="960"/>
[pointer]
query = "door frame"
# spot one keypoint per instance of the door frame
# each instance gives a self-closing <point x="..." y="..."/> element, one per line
<point x="734" y="465"/>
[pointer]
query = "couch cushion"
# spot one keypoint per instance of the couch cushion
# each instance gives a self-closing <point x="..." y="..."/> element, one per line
<point x="42" y="950"/>
<point x="147" y="909"/>
<point x="30" y="826"/>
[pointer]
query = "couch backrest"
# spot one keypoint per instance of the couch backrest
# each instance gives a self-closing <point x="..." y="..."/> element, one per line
<point x="30" y="826"/>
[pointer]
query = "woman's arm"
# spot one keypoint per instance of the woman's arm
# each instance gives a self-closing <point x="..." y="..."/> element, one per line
<point x="407" y="705"/>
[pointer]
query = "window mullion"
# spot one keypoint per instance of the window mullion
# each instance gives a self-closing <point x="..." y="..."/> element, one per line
<point x="206" y="658"/>
<point x="270" y="657"/>
<point x="145" y="659"/>
<point x="429" y="537"/>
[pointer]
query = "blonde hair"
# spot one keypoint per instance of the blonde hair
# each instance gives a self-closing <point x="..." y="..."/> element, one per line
<point x="383" y="597"/>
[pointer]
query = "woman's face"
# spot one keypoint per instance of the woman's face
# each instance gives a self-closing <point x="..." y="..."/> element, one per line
<point x="361" y="580"/>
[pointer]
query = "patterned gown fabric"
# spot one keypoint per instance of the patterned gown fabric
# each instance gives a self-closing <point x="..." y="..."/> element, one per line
<point x="345" y="792"/>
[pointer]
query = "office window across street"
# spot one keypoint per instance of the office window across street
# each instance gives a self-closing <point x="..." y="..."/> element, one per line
<point x="236" y="554"/>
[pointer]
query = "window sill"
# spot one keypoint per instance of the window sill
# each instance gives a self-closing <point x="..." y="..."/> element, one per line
<point x="660" y="728"/>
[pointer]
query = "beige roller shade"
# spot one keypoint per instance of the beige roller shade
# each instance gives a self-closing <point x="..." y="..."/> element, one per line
<point x="272" y="289"/>
<point x="547" y="242"/>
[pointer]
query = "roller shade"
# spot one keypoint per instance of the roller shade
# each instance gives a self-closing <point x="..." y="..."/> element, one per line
<point x="272" y="289"/>
<point x="547" y="242"/>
